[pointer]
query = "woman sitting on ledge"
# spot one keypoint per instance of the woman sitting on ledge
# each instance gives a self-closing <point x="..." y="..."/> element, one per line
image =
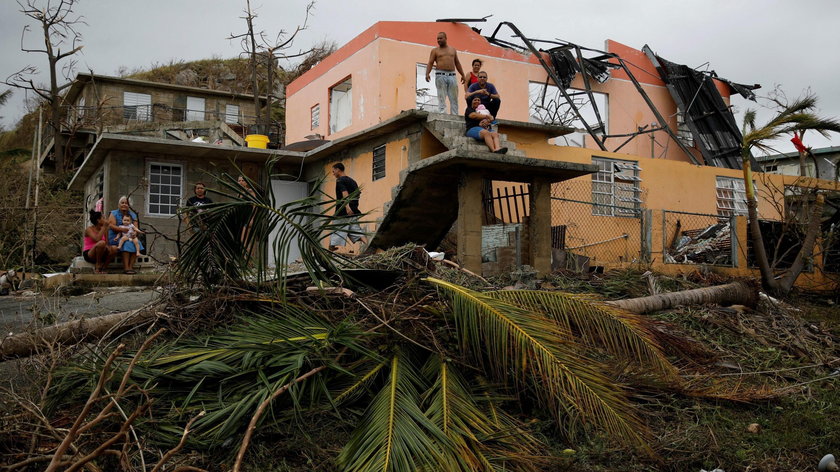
<point x="129" y="252"/>
<point x="96" y="249"/>
<point x="478" y="127"/>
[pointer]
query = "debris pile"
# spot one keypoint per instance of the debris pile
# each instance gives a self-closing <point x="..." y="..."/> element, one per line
<point x="710" y="245"/>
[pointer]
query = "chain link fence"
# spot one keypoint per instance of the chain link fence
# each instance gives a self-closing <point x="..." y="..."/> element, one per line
<point x="585" y="235"/>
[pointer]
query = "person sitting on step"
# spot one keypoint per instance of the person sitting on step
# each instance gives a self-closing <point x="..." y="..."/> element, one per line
<point x="478" y="127"/>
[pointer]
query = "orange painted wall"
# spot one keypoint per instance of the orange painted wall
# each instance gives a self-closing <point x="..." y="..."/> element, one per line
<point x="382" y="63"/>
<point x="364" y="74"/>
<point x="375" y="193"/>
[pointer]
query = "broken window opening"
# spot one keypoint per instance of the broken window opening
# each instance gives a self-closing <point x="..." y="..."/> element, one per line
<point x="615" y="188"/>
<point x="426" y="91"/>
<point x="341" y="105"/>
<point x="546" y="105"/>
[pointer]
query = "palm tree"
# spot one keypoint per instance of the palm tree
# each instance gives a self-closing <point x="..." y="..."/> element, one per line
<point x="798" y="117"/>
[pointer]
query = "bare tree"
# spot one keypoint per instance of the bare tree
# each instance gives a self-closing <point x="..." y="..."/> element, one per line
<point x="58" y="23"/>
<point x="265" y="52"/>
<point x="796" y="117"/>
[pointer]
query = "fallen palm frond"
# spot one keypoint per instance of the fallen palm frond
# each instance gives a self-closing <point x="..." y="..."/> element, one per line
<point x="539" y="351"/>
<point x="483" y="437"/>
<point x="622" y="334"/>
<point x="231" y="373"/>
<point x="394" y="434"/>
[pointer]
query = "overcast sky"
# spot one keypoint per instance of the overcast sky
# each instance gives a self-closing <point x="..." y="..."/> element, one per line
<point x="771" y="42"/>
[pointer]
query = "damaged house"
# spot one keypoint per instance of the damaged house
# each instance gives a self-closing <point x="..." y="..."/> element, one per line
<point x="617" y="156"/>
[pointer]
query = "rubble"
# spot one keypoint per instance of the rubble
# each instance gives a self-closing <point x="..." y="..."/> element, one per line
<point x="710" y="245"/>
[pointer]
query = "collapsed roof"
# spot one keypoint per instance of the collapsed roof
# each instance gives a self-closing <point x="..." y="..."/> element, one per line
<point x="709" y="119"/>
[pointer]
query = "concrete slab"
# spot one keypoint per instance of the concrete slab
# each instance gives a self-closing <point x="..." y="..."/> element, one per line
<point x="425" y="204"/>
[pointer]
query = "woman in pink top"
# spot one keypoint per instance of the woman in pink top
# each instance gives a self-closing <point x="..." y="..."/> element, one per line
<point x="96" y="249"/>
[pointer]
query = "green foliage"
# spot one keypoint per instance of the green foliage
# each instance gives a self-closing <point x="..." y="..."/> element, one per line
<point x="543" y="355"/>
<point x="797" y="116"/>
<point x="394" y="433"/>
<point x="624" y="335"/>
<point x="232" y="246"/>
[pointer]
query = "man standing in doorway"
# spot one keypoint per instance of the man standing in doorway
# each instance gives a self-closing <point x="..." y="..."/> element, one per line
<point x="487" y="93"/>
<point x="347" y="209"/>
<point x="444" y="59"/>
<point x="195" y="203"/>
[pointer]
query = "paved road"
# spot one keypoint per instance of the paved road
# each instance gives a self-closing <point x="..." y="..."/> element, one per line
<point x="17" y="312"/>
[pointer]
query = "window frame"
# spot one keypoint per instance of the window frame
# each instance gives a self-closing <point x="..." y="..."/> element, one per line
<point x="429" y="91"/>
<point x="349" y="93"/>
<point x="180" y="195"/>
<point x="734" y="209"/>
<point x="618" y="190"/>
<point x="228" y="114"/>
<point x="382" y="163"/>
<point x="188" y="110"/>
<point x="315" y="117"/>
<point x="80" y="108"/>
<point x="138" y="114"/>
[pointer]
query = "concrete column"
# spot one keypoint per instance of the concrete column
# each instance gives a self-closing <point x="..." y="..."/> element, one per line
<point x="470" y="209"/>
<point x="540" y="226"/>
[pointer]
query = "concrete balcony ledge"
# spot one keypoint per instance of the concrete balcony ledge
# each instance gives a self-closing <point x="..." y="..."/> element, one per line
<point x="425" y="204"/>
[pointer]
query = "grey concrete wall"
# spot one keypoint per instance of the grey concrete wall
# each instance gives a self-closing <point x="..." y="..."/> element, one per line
<point x="109" y="96"/>
<point x="126" y="173"/>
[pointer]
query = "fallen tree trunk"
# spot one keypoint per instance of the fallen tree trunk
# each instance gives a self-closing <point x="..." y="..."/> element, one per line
<point x="735" y="293"/>
<point x="72" y="332"/>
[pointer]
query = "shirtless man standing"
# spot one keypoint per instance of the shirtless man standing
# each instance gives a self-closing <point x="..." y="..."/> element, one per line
<point x="445" y="59"/>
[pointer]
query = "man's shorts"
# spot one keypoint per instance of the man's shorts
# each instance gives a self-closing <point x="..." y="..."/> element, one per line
<point x="353" y="232"/>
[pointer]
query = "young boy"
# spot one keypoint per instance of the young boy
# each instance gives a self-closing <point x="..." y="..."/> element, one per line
<point x="129" y="235"/>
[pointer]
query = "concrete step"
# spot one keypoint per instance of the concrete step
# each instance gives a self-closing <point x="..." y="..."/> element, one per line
<point x="445" y="117"/>
<point x="482" y="148"/>
<point x="467" y="141"/>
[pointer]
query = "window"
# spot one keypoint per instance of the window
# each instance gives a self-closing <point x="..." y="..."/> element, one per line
<point x="426" y="91"/>
<point x="80" y="108"/>
<point x="731" y="196"/>
<point x="341" y="106"/>
<point x="165" y="189"/>
<point x="683" y="131"/>
<point x="231" y="113"/>
<point x="547" y="105"/>
<point x="195" y="109"/>
<point x="379" y="162"/>
<point x="315" y="116"/>
<point x="615" y="188"/>
<point x="99" y="185"/>
<point x="137" y="106"/>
